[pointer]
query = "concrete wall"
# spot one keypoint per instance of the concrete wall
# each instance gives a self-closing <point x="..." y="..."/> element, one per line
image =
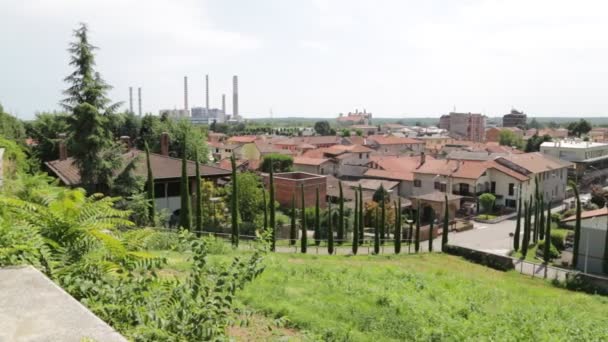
<point x="286" y="188"/>
<point x="592" y="244"/>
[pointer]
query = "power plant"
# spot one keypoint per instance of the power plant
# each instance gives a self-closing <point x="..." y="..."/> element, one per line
<point x="131" y="100"/>
<point x="139" y="99"/>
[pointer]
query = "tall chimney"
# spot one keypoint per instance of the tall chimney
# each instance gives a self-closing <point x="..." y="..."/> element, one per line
<point x="139" y="99"/>
<point x="224" y="103"/>
<point x="164" y="144"/>
<point x="63" y="149"/>
<point x="422" y="158"/>
<point x="186" y="92"/>
<point x="131" y="100"/>
<point x="235" y="97"/>
<point x="207" y="93"/>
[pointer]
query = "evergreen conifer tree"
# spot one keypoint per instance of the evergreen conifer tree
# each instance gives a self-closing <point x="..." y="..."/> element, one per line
<point x="361" y="210"/>
<point x="431" y="230"/>
<point x="293" y="229"/>
<point x="446" y="223"/>
<point x="526" y="240"/>
<point x="185" y="212"/>
<point x="330" y="230"/>
<point x="382" y="215"/>
<point x="417" y="238"/>
<point x="577" y="225"/>
<point x="341" y="216"/>
<point x="317" y="220"/>
<point x="516" y="235"/>
<point x="273" y="225"/>
<point x="150" y="189"/>
<point x="234" y="208"/>
<point x="376" y="234"/>
<point x="199" y="197"/>
<point x="547" y="246"/>
<point x="356" y="225"/>
<point x="397" y="234"/>
<point x="304" y="238"/>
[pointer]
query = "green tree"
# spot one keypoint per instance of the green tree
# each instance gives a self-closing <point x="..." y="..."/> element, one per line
<point x="516" y="235"/>
<point x="304" y="238"/>
<point x="341" y="215"/>
<point x="273" y="223"/>
<point x="199" y="198"/>
<point x="234" y="204"/>
<point x="345" y="132"/>
<point x="356" y="225"/>
<point x="397" y="233"/>
<point x="322" y="127"/>
<point x="250" y="196"/>
<point x="293" y="229"/>
<point x="541" y="224"/>
<point x="185" y="211"/>
<point x="150" y="189"/>
<point x="417" y="238"/>
<point x="265" y="203"/>
<point x="279" y="162"/>
<point x="577" y="225"/>
<point x="487" y="201"/>
<point x="534" y="124"/>
<point x="534" y="142"/>
<point x="526" y="240"/>
<point x="376" y="234"/>
<point x="446" y="222"/>
<point x="361" y="223"/>
<point x="317" y="219"/>
<point x="45" y="129"/>
<point x="382" y="216"/>
<point x="547" y="245"/>
<point x="431" y="230"/>
<point x="330" y="230"/>
<point x="95" y="155"/>
<point x="11" y="127"/>
<point x="509" y="138"/>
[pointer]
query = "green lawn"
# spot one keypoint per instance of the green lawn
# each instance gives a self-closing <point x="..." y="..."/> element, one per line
<point x="420" y="297"/>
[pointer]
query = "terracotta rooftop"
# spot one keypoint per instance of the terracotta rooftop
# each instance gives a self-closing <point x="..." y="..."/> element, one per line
<point x="467" y="169"/>
<point x="226" y="164"/>
<point x="393" y="140"/>
<point x="393" y="167"/>
<point x="163" y="167"/>
<point x="537" y="162"/>
<point x="436" y="196"/>
<point x="588" y="214"/>
<point x="309" y="161"/>
<point x="350" y="148"/>
<point x="243" y="139"/>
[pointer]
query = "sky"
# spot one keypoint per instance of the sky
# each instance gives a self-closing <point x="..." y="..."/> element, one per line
<point x="318" y="58"/>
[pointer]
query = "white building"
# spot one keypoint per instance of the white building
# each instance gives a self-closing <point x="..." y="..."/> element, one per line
<point x="574" y="150"/>
<point x="593" y="242"/>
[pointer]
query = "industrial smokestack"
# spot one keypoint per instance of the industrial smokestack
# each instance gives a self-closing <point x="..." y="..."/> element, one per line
<point x="139" y="99"/>
<point x="224" y="103"/>
<point x="186" y="92"/>
<point x="235" y="97"/>
<point x="131" y="100"/>
<point x="207" y="93"/>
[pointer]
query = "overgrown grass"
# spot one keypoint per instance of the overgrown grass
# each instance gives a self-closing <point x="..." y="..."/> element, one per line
<point x="420" y="297"/>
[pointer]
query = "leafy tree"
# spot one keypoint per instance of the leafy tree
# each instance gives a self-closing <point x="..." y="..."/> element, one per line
<point x="265" y="203"/>
<point x="250" y="196"/>
<point x="377" y="234"/>
<point x="356" y="225"/>
<point x="579" y="128"/>
<point x="446" y="222"/>
<point x="341" y="215"/>
<point x="526" y="240"/>
<point x="150" y="189"/>
<point x="381" y="195"/>
<point x="509" y="138"/>
<point x="359" y="132"/>
<point x="547" y="246"/>
<point x="487" y="201"/>
<point x="534" y="142"/>
<point x="292" y="230"/>
<point x="382" y="216"/>
<point x="185" y="211"/>
<point x="431" y="230"/>
<point x="397" y="233"/>
<point x="417" y="238"/>
<point x="11" y="127"/>
<point x="541" y="218"/>
<point x="304" y="238"/>
<point x="93" y="149"/>
<point x="45" y="129"/>
<point x="234" y="208"/>
<point x="273" y="223"/>
<point x="280" y="163"/>
<point x="330" y="230"/>
<point x="516" y="235"/>
<point x="345" y="132"/>
<point x="322" y="127"/>
<point x="199" y="198"/>
<point x="317" y="220"/>
<point x="577" y="226"/>
<point x="534" y="124"/>
<point x="361" y="223"/>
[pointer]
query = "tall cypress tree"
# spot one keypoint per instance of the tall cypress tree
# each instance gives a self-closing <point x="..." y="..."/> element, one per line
<point x="304" y="239"/>
<point x="536" y="210"/>
<point x="234" y="208"/>
<point x="376" y="234"/>
<point x="341" y="217"/>
<point x="397" y="236"/>
<point x="265" y="204"/>
<point x="150" y="189"/>
<point x="446" y="223"/>
<point x="541" y="225"/>
<point x="273" y="225"/>
<point x="292" y="229"/>
<point x="516" y="235"/>
<point x="330" y="230"/>
<point x="317" y="220"/>
<point x="431" y="230"/>
<point x="417" y="239"/>
<point x="410" y="232"/>
<point x="361" y="210"/>
<point x="199" y="196"/>
<point x="605" y="261"/>
<point x="577" y="226"/>
<point x="547" y="247"/>
<point x="382" y="215"/>
<point x="185" y="212"/>
<point x="526" y="240"/>
<point x="356" y="225"/>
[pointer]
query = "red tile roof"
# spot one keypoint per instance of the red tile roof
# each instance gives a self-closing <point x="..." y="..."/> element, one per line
<point x="309" y="161"/>
<point x="243" y="139"/>
<point x="393" y="140"/>
<point x="588" y="214"/>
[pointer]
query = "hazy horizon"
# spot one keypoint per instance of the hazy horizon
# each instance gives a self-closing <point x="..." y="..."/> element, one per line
<point x="315" y="58"/>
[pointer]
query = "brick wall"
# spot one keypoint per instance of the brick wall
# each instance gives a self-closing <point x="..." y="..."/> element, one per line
<point x="287" y="185"/>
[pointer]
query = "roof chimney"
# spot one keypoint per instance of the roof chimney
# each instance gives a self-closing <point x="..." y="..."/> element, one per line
<point x="164" y="144"/>
<point x="63" y="148"/>
<point x="422" y="158"/>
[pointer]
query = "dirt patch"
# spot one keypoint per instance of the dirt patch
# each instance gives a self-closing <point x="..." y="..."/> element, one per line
<point x="262" y="328"/>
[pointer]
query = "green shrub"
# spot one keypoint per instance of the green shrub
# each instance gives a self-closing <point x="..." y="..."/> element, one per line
<point x="498" y="262"/>
<point x="557" y="239"/>
<point x="568" y="213"/>
<point x="554" y="253"/>
<point x="556" y="217"/>
<point x="216" y="245"/>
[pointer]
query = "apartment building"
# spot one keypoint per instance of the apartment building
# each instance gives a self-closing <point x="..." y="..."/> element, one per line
<point x="466" y="126"/>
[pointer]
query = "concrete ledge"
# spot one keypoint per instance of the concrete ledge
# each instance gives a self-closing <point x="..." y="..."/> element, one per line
<point x="33" y="308"/>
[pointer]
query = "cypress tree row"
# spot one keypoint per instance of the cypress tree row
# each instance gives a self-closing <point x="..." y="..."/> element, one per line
<point x="383" y="215"/>
<point x="265" y="204"/>
<point x="356" y="225"/>
<point x="317" y="220"/>
<point x="234" y="208"/>
<point x="431" y="230"/>
<point x="303" y="240"/>
<point x="410" y="232"/>
<point x="361" y="209"/>
<point x="446" y="223"/>
<point x="526" y="240"/>
<point x="417" y="239"/>
<point x="541" y="225"/>
<point x="397" y="236"/>
<point x="517" y="233"/>
<point x="536" y="208"/>
<point x="547" y="247"/>
<point x="341" y="216"/>
<point x="292" y="229"/>
<point x="150" y="189"/>
<point x="185" y="212"/>
<point x="577" y="226"/>
<point x="199" y="197"/>
<point x="330" y="230"/>
<point x="605" y="261"/>
<point x="273" y="226"/>
<point x="376" y="234"/>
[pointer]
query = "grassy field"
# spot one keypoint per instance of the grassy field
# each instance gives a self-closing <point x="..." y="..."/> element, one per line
<point x="405" y="298"/>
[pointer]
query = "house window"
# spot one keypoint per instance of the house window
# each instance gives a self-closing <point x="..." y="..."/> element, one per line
<point x="360" y="155"/>
<point x="464" y="188"/>
<point x="437" y="185"/>
<point x="511" y="203"/>
<point x="493" y="187"/>
<point x="322" y="171"/>
<point x="511" y="189"/>
<point x="443" y="187"/>
<point x="417" y="183"/>
<point x="159" y="190"/>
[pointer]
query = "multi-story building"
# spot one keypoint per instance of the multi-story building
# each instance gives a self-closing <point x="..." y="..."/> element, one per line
<point x="202" y="115"/>
<point x="175" y="113"/>
<point x="590" y="159"/>
<point x="515" y="119"/>
<point x="356" y="118"/>
<point x="393" y="145"/>
<point x="467" y="126"/>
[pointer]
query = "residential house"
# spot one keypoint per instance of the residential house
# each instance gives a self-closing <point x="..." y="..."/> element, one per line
<point x="223" y="150"/>
<point x="318" y="166"/>
<point x="349" y="160"/>
<point x="392" y="145"/>
<point x="396" y="168"/>
<point x="592" y="248"/>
